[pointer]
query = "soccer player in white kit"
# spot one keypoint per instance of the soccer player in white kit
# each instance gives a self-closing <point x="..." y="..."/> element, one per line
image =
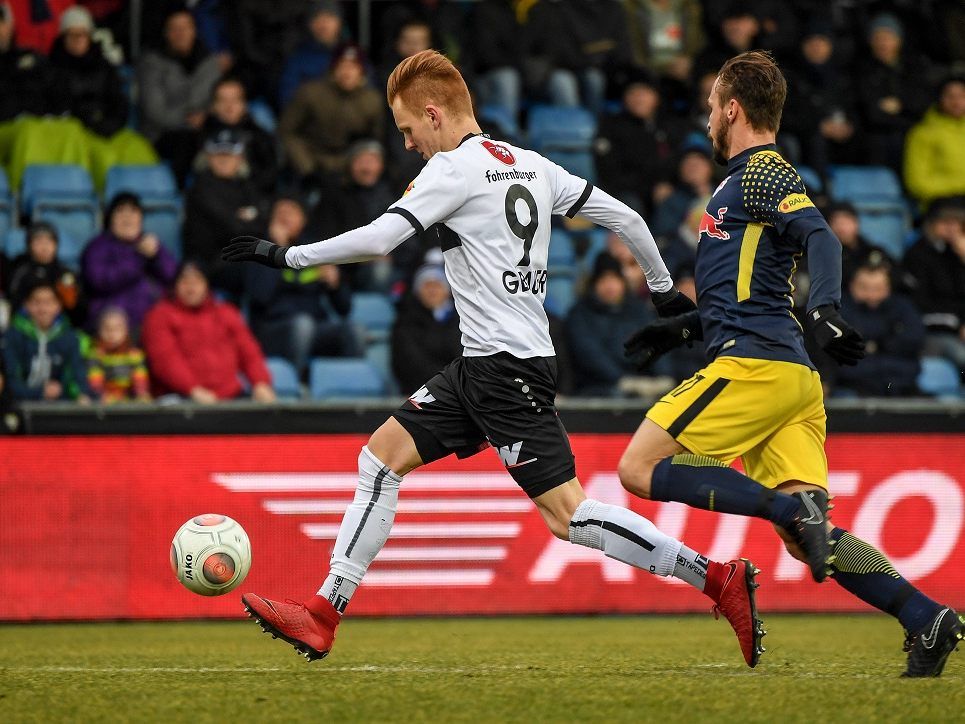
<point x="490" y="204"/>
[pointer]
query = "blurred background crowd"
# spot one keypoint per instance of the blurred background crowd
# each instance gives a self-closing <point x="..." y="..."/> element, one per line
<point x="137" y="138"/>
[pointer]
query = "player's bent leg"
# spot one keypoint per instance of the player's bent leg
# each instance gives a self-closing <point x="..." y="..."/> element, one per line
<point x="365" y="527"/>
<point x="628" y="537"/>
<point x="650" y="444"/>
<point x="932" y="631"/>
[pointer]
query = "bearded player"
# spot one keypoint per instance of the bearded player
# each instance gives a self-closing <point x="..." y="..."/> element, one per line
<point x="760" y="398"/>
<point x="490" y="205"/>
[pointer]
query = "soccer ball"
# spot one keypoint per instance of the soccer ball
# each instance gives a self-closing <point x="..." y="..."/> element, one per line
<point x="211" y="554"/>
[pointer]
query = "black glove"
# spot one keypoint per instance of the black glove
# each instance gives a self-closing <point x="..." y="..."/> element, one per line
<point x="662" y="336"/>
<point x="835" y="336"/>
<point x="671" y="303"/>
<point x="251" y="248"/>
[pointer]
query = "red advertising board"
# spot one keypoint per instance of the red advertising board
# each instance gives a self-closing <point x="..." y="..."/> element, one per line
<point x="86" y="525"/>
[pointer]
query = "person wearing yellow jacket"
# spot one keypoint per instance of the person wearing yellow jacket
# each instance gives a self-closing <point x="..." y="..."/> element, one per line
<point x="935" y="147"/>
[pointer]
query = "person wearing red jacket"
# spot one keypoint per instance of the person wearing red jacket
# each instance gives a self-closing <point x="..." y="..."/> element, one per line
<point x="197" y="346"/>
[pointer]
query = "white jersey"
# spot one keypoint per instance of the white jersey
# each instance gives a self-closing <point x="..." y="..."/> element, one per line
<point x="492" y="203"/>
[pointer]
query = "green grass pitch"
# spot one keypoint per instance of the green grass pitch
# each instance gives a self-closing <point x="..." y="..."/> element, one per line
<point x="552" y="669"/>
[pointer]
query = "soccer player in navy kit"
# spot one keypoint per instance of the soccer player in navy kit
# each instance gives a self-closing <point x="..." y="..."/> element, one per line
<point x="760" y="398"/>
<point x="490" y="204"/>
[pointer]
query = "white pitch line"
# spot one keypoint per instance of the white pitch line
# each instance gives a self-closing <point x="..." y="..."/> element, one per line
<point x="425" y="530"/>
<point x="418" y="505"/>
<point x="147" y="669"/>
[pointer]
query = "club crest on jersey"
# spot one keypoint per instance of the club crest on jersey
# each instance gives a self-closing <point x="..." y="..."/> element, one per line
<point x="500" y="153"/>
<point x="711" y="225"/>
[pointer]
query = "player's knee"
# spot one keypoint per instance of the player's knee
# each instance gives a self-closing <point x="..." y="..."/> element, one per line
<point x="559" y="527"/>
<point x="635" y="476"/>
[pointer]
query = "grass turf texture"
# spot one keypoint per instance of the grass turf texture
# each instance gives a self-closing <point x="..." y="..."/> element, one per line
<point x="842" y="668"/>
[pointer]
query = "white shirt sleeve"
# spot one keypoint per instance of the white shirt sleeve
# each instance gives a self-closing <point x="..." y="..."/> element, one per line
<point x="375" y="239"/>
<point x="574" y="195"/>
<point x="438" y="191"/>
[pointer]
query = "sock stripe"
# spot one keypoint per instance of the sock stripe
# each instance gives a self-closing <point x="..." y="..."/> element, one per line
<point x="376" y="491"/>
<point x="697" y="406"/>
<point x="853" y="555"/>
<point x="697" y="461"/>
<point x="614" y="528"/>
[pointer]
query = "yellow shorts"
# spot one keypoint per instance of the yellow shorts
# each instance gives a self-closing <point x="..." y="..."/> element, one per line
<point x="770" y="414"/>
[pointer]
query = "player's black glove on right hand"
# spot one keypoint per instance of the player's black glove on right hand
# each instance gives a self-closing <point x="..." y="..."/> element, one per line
<point x="251" y="248"/>
<point x="835" y="336"/>
<point x="672" y="303"/>
<point x="662" y="336"/>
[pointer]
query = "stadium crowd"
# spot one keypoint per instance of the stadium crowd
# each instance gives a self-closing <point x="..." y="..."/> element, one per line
<point x="272" y="122"/>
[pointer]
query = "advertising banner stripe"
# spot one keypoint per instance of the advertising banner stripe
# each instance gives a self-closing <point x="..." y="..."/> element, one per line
<point x="438" y="505"/>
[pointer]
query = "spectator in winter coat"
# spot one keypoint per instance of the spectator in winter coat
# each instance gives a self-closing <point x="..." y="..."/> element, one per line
<point x="24" y="74"/>
<point x="328" y="114"/>
<point x="893" y="92"/>
<point x="313" y="57"/>
<point x="222" y="203"/>
<point x="124" y="266"/>
<point x="40" y="263"/>
<point x="737" y="30"/>
<point x="197" y="346"/>
<point x="935" y="147"/>
<point x="425" y="335"/>
<point x="666" y="35"/>
<point x="855" y="248"/>
<point x="84" y="83"/>
<point x="359" y="198"/>
<point x="576" y="44"/>
<point x="41" y="351"/>
<point x="497" y="62"/>
<point x="116" y="369"/>
<point x="820" y="109"/>
<point x="893" y="334"/>
<point x="694" y="185"/>
<point x="174" y="84"/>
<point x="299" y="313"/>
<point x="229" y="112"/>
<point x="635" y="148"/>
<point x="597" y="326"/>
<point x="936" y="267"/>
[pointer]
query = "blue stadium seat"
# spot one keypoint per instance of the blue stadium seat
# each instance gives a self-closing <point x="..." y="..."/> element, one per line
<point x="811" y="178"/>
<point x="55" y="181"/>
<point x="262" y="114"/>
<point x="939" y="377"/>
<point x="884" y="225"/>
<point x="561" y="129"/>
<point x="284" y="379"/>
<point x="500" y="118"/>
<point x="560" y="294"/>
<point x="153" y="181"/>
<point x="578" y="163"/>
<point x="863" y="183"/>
<point x="62" y="195"/>
<point x="374" y="313"/>
<point x="380" y="355"/>
<point x="562" y="254"/>
<point x="8" y="213"/>
<point x="344" y="377"/>
<point x="14" y="242"/>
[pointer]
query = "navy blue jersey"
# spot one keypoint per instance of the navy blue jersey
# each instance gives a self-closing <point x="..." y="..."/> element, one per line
<point x="756" y="227"/>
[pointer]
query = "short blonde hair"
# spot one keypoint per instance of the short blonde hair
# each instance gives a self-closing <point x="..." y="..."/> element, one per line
<point x="426" y="78"/>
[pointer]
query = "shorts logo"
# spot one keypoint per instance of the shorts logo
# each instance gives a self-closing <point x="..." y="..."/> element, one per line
<point x="421" y="397"/>
<point x="794" y="202"/>
<point x="509" y="455"/>
<point x="500" y="153"/>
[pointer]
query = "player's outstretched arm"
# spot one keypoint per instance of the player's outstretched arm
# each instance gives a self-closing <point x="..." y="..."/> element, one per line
<point x="375" y="239"/>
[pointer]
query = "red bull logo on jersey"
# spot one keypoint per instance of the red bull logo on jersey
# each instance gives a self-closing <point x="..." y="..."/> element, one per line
<point x="500" y="153"/>
<point x="711" y="226"/>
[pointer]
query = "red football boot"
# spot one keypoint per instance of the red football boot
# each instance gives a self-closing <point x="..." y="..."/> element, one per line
<point x="310" y="630"/>
<point x="731" y="586"/>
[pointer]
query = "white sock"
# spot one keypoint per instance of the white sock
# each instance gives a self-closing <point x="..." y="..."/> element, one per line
<point x="691" y="567"/>
<point x="364" y="530"/>
<point x="624" y="535"/>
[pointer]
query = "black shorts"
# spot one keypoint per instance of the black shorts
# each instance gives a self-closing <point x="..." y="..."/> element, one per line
<point x="499" y="400"/>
